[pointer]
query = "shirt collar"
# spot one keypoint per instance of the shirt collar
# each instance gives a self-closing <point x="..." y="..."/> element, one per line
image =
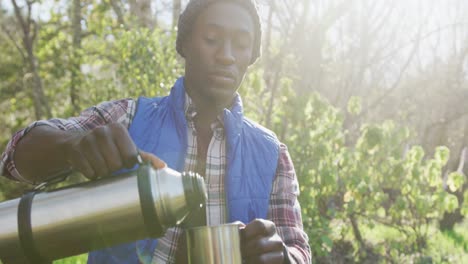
<point x="191" y="112"/>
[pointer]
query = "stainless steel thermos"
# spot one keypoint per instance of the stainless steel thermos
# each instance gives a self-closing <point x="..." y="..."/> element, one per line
<point x="49" y="225"/>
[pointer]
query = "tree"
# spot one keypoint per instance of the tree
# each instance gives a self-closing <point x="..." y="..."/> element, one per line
<point x="76" y="56"/>
<point x="176" y="10"/>
<point x="32" y="79"/>
<point x="141" y="10"/>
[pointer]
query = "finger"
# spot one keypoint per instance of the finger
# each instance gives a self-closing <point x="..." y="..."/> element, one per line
<point x="239" y="223"/>
<point x="108" y="149"/>
<point x="241" y="227"/>
<point x="127" y="148"/>
<point x="155" y="161"/>
<point x="270" y="257"/>
<point x="259" y="227"/>
<point x="262" y="245"/>
<point x="79" y="163"/>
<point x="94" y="157"/>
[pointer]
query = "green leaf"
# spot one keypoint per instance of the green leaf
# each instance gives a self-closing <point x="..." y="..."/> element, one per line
<point x="348" y="196"/>
<point x="442" y="154"/>
<point x="326" y="241"/>
<point x="406" y="189"/>
<point x="434" y="173"/>
<point x="381" y="212"/>
<point x="416" y="154"/>
<point x="450" y="203"/>
<point x="455" y="180"/>
<point x="354" y="105"/>
<point x="464" y="208"/>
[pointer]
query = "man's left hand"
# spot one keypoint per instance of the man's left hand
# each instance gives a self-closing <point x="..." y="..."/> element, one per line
<point x="261" y="243"/>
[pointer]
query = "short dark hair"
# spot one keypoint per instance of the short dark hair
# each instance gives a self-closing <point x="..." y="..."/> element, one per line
<point x="193" y="9"/>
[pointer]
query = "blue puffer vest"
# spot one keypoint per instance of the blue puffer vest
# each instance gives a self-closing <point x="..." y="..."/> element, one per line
<point x="160" y="127"/>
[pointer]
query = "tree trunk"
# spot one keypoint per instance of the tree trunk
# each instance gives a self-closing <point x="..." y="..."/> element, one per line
<point x="118" y="12"/>
<point x="356" y="231"/>
<point x="141" y="10"/>
<point x="76" y="56"/>
<point x="41" y="105"/>
<point x="176" y="9"/>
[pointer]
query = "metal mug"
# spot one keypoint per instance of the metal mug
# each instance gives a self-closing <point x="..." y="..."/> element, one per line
<point x="214" y="244"/>
<point x="48" y="225"/>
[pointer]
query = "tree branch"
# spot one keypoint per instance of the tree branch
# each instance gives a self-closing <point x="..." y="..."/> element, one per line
<point x="19" y="16"/>
<point x="8" y="33"/>
<point x="448" y="120"/>
<point x="397" y="82"/>
<point x="422" y="37"/>
<point x="35" y="29"/>
<point x="118" y="12"/>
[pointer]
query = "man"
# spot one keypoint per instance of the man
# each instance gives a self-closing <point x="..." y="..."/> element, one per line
<point x="198" y="127"/>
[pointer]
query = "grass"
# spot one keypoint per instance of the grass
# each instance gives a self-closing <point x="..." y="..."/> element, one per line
<point x="447" y="247"/>
<point x="80" y="259"/>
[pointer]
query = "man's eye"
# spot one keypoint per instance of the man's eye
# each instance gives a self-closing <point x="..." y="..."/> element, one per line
<point x="211" y="40"/>
<point x="242" y="43"/>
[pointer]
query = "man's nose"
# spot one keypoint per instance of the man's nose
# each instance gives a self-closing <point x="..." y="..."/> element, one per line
<point x="225" y="53"/>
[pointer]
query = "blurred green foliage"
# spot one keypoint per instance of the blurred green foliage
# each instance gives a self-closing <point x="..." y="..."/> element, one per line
<point x="81" y="259"/>
<point x="376" y="179"/>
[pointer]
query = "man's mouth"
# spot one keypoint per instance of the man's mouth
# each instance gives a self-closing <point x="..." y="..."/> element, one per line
<point x="225" y="77"/>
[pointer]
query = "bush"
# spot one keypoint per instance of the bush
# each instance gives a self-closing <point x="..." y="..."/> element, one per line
<point x="375" y="180"/>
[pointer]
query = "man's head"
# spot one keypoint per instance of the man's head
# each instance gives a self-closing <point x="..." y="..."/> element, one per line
<point x="193" y="9"/>
<point x="219" y="39"/>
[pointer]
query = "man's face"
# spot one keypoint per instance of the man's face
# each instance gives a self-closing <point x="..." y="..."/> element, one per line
<point x="218" y="52"/>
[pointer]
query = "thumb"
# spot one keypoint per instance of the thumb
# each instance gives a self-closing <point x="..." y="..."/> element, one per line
<point x="155" y="161"/>
<point x="239" y="223"/>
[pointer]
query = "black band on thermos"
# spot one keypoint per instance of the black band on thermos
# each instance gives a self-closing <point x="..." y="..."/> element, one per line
<point x="150" y="216"/>
<point x="25" y="230"/>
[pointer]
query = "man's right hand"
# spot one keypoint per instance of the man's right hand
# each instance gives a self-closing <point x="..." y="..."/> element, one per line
<point x="100" y="151"/>
<point x="46" y="150"/>
<point x="104" y="150"/>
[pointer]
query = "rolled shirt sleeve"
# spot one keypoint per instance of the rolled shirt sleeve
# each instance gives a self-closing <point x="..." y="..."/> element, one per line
<point x="285" y="210"/>
<point x="121" y="111"/>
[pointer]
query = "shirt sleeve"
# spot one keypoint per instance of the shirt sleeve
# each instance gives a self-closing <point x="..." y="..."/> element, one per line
<point x="121" y="111"/>
<point x="285" y="211"/>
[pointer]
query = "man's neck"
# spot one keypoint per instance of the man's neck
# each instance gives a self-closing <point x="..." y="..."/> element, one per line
<point x="207" y="110"/>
